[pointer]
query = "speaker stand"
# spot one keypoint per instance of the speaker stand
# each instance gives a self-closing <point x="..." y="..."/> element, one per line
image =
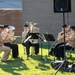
<point x="63" y="63"/>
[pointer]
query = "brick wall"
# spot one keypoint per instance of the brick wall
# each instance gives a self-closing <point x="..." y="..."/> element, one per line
<point x="12" y="17"/>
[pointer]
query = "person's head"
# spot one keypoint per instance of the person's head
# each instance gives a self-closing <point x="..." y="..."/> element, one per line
<point x="6" y="28"/>
<point x="64" y="27"/>
<point x="26" y="27"/>
<point x="72" y="29"/>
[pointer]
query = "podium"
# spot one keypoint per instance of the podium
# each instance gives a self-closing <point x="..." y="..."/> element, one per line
<point x="49" y="37"/>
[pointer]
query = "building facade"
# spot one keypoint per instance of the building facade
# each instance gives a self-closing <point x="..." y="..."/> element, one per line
<point x="11" y="14"/>
<point x="42" y="12"/>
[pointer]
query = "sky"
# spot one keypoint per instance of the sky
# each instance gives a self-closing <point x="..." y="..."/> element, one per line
<point x="10" y="4"/>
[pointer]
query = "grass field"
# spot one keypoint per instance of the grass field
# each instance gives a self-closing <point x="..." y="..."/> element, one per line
<point x="36" y="65"/>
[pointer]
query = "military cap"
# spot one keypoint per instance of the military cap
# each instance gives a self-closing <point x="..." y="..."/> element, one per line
<point x="72" y="27"/>
<point x="64" y="26"/>
<point x="6" y="26"/>
<point x="26" y="25"/>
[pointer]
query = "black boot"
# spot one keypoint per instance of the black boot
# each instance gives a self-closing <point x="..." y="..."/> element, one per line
<point x="51" y="52"/>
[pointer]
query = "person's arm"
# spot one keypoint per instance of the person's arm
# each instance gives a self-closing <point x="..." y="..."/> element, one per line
<point x="23" y="36"/>
<point x="4" y="36"/>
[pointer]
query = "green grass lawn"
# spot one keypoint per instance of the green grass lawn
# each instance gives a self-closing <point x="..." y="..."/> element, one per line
<point x="34" y="66"/>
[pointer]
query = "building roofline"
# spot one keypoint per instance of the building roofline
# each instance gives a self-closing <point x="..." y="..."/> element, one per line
<point x="10" y="8"/>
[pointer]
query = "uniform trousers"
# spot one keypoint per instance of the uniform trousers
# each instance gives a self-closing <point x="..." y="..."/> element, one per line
<point x="14" y="48"/>
<point x="6" y="52"/>
<point x="54" y="49"/>
<point x="28" y="44"/>
<point x="61" y="51"/>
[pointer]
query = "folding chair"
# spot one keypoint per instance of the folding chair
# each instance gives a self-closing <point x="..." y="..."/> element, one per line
<point x="70" y="51"/>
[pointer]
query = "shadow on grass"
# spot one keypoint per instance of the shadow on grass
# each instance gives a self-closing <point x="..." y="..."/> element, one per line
<point x="13" y="66"/>
<point x="43" y="62"/>
<point x="42" y="66"/>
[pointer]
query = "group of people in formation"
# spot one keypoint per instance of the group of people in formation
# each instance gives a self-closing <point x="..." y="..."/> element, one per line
<point x="65" y="41"/>
<point x="30" y="38"/>
<point x="7" y="41"/>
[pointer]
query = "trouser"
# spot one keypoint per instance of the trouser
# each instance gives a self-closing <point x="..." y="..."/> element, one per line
<point x="14" y="48"/>
<point x="28" y="44"/>
<point x="61" y="51"/>
<point x="6" y="52"/>
<point x="54" y="50"/>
